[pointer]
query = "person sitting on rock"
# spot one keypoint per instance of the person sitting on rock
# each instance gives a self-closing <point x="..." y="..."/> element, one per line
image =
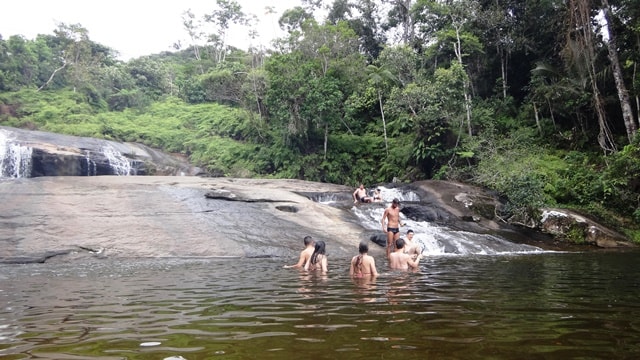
<point x="377" y="195"/>
<point x="361" y="195"/>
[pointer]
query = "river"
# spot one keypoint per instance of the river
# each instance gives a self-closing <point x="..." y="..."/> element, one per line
<point x="548" y="305"/>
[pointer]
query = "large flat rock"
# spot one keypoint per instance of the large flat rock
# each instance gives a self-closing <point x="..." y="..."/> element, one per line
<point x="171" y="216"/>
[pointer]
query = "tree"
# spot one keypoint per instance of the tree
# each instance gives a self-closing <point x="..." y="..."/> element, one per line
<point x="580" y="53"/>
<point x="194" y="31"/>
<point x="229" y="12"/>
<point x="400" y="15"/>
<point x="318" y="73"/>
<point x="379" y="78"/>
<point x="623" y="94"/>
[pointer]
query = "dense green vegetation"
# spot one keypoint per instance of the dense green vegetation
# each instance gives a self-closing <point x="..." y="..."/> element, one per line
<point x="525" y="97"/>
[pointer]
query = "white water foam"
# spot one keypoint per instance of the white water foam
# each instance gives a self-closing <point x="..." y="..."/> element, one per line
<point x="118" y="162"/>
<point x="92" y="168"/>
<point x="433" y="238"/>
<point x="15" y="159"/>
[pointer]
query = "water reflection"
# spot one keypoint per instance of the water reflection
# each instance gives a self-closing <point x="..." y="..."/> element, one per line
<point x="552" y="306"/>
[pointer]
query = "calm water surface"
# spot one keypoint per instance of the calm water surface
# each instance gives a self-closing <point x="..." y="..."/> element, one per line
<point x="542" y="306"/>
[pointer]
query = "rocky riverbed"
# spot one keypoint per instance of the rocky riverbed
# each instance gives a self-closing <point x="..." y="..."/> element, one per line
<point x="48" y="218"/>
<point x="66" y="218"/>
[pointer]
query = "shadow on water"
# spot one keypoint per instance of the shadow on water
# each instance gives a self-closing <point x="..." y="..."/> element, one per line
<point x="542" y="306"/>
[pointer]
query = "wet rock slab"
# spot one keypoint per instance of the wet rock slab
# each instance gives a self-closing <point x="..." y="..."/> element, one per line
<point x="52" y="218"/>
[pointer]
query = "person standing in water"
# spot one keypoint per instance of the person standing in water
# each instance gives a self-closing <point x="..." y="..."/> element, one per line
<point x="318" y="260"/>
<point x="391" y="217"/>
<point x="410" y="247"/>
<point x="398" y="260"/>
<point x="305" y="255"/>
<point x="363" y="265"/>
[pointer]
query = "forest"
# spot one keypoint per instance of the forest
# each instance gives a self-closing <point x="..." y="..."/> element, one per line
<point x="537" y="100"/>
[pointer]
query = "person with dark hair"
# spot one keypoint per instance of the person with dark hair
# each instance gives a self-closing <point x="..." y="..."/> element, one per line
<point x="392" y="218"/>
<point x="305" y="254"/>
<point x="401" y="261"/>
<point x="377" y="195"/>
<point x="363" y="265"/>
<point x="318" y="260"/>
<point x="361" y="195"/>
<point x="410" y="247"/>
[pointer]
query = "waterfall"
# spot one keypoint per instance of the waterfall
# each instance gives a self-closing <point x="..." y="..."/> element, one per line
<point x="118" y="162"/>
<point x="433" y="238"/>
<point x="15" y="159"/>
<point x="92" y="168"/>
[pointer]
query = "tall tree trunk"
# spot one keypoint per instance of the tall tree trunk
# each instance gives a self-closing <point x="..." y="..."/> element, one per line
<point x="580" y="27"/>
<point x="466" y="85"/>
<point x="326" y="138"/>
<point x="623" y="94"/>
<point x="635" y="68"/>
<point x="64" y="64"/>
<point x="384" y="122"/>
<point x="535" y="112"/>
<point x="408" y="32"/>
<point x="503" y="69"/>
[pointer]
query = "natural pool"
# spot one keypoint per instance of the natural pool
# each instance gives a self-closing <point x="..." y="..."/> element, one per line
<point x="527" y="306"/>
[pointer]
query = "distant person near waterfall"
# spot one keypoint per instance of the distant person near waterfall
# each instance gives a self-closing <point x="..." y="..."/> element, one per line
<point x="361" y="195"/>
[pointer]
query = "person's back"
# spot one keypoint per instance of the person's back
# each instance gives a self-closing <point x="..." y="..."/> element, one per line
<point x="398" y="260"/>
<point x="305" y="254"/>
<point x="318" y="260"/>
<point x="363" y="265"/>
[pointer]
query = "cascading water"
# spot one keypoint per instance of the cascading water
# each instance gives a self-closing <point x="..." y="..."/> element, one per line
<point x="118" y="162"/>
<point x="15" y="159"/>
<point x="92" y="168"/>
<point x="435" y="239"/>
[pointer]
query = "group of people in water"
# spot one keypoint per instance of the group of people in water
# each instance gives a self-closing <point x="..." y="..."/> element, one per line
<point x="402" y="253"/>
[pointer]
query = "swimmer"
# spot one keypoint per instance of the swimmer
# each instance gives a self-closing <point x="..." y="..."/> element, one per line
<point x="363" y="265"/>
<point x="318" y="260"/>
<point x="305" y="254"/>
<point x="398" y="260"/>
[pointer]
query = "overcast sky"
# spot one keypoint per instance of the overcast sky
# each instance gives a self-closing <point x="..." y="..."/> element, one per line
<point x="132" y="27"/>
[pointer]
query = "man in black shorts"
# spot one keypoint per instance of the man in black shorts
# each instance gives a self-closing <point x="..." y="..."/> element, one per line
<point x="361" y="195"/>
<point x="392" y="218"/>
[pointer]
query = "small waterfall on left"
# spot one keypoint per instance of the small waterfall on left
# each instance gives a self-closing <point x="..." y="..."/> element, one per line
<point x="15" y="159"/>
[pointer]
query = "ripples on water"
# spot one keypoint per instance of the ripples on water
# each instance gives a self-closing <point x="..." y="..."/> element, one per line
<point x="551" y="306"/>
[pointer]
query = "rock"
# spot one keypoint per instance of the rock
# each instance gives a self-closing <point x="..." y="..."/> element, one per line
<point x="570" y="226"/>
<point x="474" y="209"/>
<point x="48" y="154"/>
<point x="57" y="218"/>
